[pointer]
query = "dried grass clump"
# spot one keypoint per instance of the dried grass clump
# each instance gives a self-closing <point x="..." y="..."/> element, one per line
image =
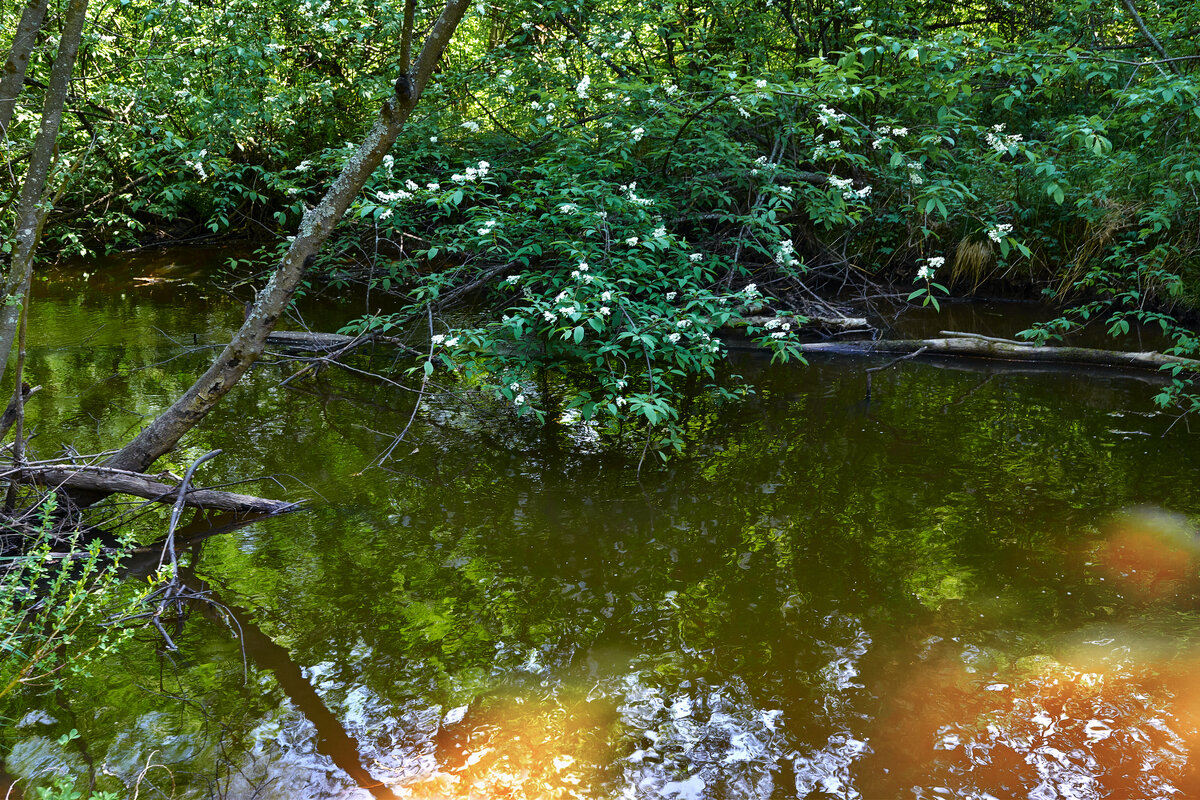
<point x="972" y="260"/>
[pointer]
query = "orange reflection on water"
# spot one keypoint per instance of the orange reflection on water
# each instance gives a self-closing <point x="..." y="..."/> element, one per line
<point x="1153" y="553"/>
<point x="1043" y="728"/>
<point x="518" y="750"/>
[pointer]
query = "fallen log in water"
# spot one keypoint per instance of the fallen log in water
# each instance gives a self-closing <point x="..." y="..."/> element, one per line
<point x="106" y="480"/>
<point x="324" y="342"/>
<point x="974" y="346"/>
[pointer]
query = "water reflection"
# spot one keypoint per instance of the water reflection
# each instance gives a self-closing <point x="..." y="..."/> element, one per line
<point x="933" y="596"/>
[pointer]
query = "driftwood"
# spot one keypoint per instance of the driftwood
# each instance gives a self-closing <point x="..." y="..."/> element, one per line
<point x="117" y="481"/>
<point x="323" y="342"/>
<point x="974" y="346"/>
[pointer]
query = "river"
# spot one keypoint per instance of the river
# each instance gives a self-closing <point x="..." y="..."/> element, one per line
<point x="977" y="583"/>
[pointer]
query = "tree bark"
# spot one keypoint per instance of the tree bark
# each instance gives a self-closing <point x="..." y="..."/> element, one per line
<point x="161" y="435"/>
<point x="17" y="63"/>
<point x="985" y="347"/>
<point x="1150" y="37"/>
<point x="31" y="207"/>
<point x="110" y="481"/>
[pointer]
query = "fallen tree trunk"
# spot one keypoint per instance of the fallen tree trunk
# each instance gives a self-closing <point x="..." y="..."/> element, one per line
<point x="117" y="481"/>
<point x="986" y="347"/>
<point x="324" y="342"/>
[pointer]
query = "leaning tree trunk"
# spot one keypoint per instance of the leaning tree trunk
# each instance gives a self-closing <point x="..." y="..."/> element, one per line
<point x="31" y="207"/>
<point x="18" y="60"/>
<point x="161" y="435"/>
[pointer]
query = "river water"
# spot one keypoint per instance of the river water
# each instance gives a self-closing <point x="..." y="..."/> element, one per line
<point x="977" y="583"/>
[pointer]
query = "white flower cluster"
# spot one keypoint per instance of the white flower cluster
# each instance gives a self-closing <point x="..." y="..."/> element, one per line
<point x="504" y="80"/>
<point x="441" y="339"/>
<point x="737" y="103"/>
<point x="198" y="164"/>
<point x="914" y="173"/>
<point x="931" y="265"/>
<point x="776" y="322"/>
<point x="392" y="197"/>
<point x="581" y="88"/>
<point x="582" y="273"/>
<point x="472" y="173"/>
<point x="751" y="291"/>
<point x="785" y="254"/>
<point x="828" y="116"/>
<point x="628" y="191"/>
<point x="471" y="126"/>
<point x="637" y="133"/>
<point x="1000" y="141"/>
<point x="487" y="227"/>
<point x="846" y="187"/>
<point x="999" y="232"/>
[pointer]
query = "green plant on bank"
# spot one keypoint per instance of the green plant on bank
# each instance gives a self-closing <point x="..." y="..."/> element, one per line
<point x="55" y="595"/>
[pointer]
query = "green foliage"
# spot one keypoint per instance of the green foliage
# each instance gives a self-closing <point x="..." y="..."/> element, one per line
<point x="54" y="595"/>
<point x="793" y="149"/>
<point x="63" y="788"/>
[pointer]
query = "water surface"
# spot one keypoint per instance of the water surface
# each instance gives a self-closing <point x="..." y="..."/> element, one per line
<point x="970" y="585"/>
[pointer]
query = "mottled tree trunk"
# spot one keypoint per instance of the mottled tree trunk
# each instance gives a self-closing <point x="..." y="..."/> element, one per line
<point x="17" y="63"/>
<point x="31" y="206"/>
<point x="161" y="435"/>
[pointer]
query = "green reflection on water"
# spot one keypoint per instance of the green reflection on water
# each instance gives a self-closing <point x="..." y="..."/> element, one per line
<point x="864" y="568"/>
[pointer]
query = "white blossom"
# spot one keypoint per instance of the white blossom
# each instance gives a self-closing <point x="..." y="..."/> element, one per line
<point x="673" y="337"/>
<point x="659" y="232"/>
<point x="581" y="88"/>
<point x="631" y="241"/>
<point x="637" y="133"/>
<point x="999" y="232"/>
<point x="694" y="257"/>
